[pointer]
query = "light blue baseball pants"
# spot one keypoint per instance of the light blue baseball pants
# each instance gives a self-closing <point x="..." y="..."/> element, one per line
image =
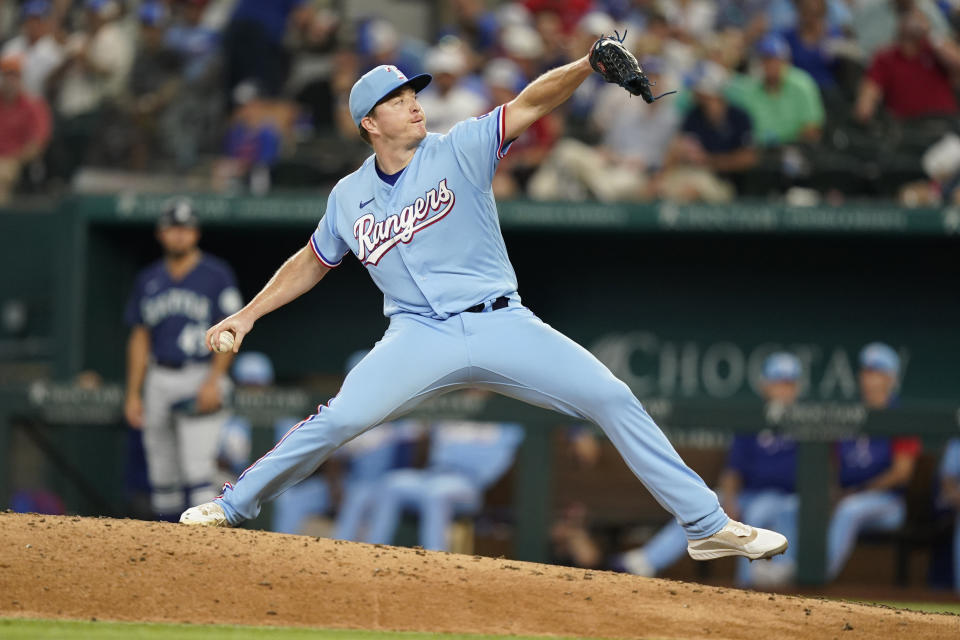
<point x="864" y="511"/>
<point x="436" y="496"/>
<point x="509" y="351"/>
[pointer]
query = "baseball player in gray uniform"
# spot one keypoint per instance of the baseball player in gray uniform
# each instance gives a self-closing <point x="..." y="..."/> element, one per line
<point x="420" y="215"/>
<point x="175" y="388"/>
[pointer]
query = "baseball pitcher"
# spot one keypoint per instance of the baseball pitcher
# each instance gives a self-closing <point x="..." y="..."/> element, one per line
<point x="420" y="215"/>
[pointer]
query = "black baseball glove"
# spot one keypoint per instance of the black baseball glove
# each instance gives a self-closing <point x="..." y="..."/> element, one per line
<point x="616" y="64"/>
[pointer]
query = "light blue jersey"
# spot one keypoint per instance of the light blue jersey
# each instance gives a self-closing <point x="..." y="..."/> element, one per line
<point x="432" y="241"/>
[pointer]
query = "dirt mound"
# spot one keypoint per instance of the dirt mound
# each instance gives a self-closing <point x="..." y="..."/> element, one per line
<point x="69" y="567"/>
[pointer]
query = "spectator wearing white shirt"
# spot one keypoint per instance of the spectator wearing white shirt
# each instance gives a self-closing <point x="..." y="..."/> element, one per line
<point x="93" y="74"/>
<point x="447" y="100"/>
<point x="36" y="46"/>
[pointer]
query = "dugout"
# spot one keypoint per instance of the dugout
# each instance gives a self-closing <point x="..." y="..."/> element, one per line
<point x="681" y="302"/>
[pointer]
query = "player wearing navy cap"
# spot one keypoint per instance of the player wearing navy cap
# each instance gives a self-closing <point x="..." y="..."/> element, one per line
<point x="175" y="387"/>
<point x="420" y="215"/>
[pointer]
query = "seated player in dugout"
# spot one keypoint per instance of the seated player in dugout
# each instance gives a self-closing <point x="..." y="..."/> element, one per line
<point x="421" y="217"/>
<point x="757" y="484"/>
<point x="872" y="471"/>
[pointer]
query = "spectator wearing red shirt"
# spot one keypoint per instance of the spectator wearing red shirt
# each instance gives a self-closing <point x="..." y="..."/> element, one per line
<point x="24" y="125"/>
<point x="913" y="77"/>
<point x="873" y="471"/>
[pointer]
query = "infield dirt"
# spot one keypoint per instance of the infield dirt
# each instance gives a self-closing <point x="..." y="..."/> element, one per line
<point x="82" y="568"/>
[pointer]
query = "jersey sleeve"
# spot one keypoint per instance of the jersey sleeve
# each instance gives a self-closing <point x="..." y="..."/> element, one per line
<point x="228" y="300"/>
<point x="326" y="243"/>
<point x="479" y="145"/>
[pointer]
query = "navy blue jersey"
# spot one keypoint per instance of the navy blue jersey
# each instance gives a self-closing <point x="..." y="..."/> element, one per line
<point x="178" y="313"/>
<point x="764" y="461"/>
<point x="863" y="459"/>
<point x="735" y="133"/>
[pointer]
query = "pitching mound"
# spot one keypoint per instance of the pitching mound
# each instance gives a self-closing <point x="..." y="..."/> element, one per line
<point x="69" y="567"/>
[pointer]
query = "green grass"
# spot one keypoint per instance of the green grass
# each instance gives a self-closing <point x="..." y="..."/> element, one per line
<point x="15" y="629"/>
<point x="930" y="607"/>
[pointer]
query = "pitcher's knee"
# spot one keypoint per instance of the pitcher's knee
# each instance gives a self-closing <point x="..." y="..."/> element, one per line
<point x="613" y="395"/>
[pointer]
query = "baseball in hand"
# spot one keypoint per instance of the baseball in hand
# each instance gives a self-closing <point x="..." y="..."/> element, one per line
<point x="225" y="342"/>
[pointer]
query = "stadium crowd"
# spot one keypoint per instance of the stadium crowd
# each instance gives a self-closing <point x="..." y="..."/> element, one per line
<point x="808" y="98"/>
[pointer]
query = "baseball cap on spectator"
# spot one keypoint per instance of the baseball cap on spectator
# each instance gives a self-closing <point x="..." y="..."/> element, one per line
<point x="781" y="367"/>
<point x="522" y="41"/>
<point x="378" y="83"/>
<point x="178" y="213"/>
<point x="878" y="356"/>
<point x="445" y="59"/>
<point x="773" y="45"/>
<point x="36" y="8"/>
<point x="710" y="78"/>
<point x="597" y="23"/>
<point x="253" y="367"/>
<point x="152" y="14"/>
<point x="11" y="63"/>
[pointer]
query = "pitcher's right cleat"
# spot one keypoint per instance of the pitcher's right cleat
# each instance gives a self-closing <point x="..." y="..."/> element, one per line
<point x="738" y="539"/>
<point x="208" y="514"/>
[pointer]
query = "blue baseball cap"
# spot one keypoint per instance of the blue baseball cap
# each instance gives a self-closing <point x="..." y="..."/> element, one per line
<point x="773" y="45"/>
<point x="152" y="14"/>
<point x="376" y="84"/>
<point x="878" y="356"/>
<point x="253" y="367"/>
<point x="36" y="8"/>
<point x="781" y="367"/>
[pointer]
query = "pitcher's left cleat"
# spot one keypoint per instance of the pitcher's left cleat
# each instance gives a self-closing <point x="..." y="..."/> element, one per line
<point x="208" y="514"/>
<point x="738" y="539"/>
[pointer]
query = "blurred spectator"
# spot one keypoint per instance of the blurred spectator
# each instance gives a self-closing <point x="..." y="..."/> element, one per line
<point x="253" y="42"/>
<point x="523" y="44"/>
<point x="38" y="47"/>
<point x="634" y="141"/>
<point x="92" y="76"/>
<point x="569" y="11"/>
<point x="950" y="498"/>
<point x="784" y="103"/>
<point x="783" y="15"/>
<point x="715" y="144"/>
<point x="24" y="125"/>
<point x="528" y="152"/>
<point x="591" y="27"/>
<point x="550" y="27"/>
<point x="155" y="82"/>
<point x="447" y="101"/>
<point x="941" y="163"/>
<point x="873" y="471"/>
<point x="757" y="486"/>
<point x="674" y="51"/>
<point x="192" y="120"/>
<point x="875" y="21"/>
<point x="689" y="20"/>
<point x="466" y="459"/>
<point x="817" y="47"/>
<point x="259" y="129"/>
<point x="379" y="42"/>
<point x="474" y="25"/>
<point x="913" y="77"/>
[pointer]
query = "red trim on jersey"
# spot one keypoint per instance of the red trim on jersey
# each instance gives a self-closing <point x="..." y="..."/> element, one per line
<point x="320" y="257"/>
<point x="502" y="130"/>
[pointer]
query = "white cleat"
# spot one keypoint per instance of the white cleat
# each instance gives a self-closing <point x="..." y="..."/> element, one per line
<point x="208" y="514"/>
<point x="737" y="539"/>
